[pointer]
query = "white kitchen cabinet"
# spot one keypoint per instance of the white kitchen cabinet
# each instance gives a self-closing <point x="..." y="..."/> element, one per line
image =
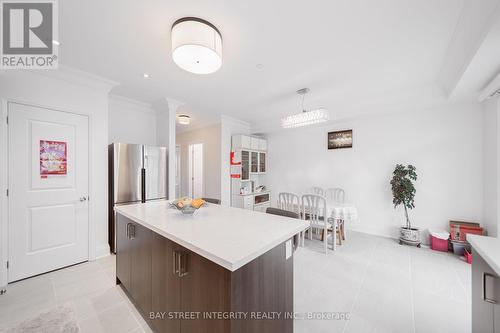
<point x="248" y="202"/>
<point x="243" y="201"/>
<point x="241" y="141"/>
<point x="262" y="144"/>
<point x="254" y="143"/>
<point x="251" y="152"/>
<point x="254" y="162"/>
<point x="245" y="165"/>
<point x="262" y="162"/>
<point x="262" y="208"/>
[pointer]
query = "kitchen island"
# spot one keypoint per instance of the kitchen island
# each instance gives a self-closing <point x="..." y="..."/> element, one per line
<point x="485" y="283"/>
<point x="221" y="270"/>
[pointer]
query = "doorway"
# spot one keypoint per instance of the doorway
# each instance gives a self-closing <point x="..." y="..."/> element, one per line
<point x="177" y="171"/>
<point x="48" y="181"/>
<point x="195" y="170"/>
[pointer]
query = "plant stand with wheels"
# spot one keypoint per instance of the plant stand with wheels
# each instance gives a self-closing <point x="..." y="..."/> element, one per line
<point x="407" y="242"/>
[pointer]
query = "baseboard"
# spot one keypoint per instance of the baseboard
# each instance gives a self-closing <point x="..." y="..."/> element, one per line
<point x="424" y="243"/>
<point x="102" y="251"/>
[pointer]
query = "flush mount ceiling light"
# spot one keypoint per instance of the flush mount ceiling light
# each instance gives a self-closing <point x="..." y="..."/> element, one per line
<point x="306" y="117"/>
<point x="196" y="45"/>
<point x="183" y="119"/>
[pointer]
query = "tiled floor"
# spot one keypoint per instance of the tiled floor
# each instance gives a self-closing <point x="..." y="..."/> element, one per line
<point x="384" y="286"/>
<point x="88" y="288"/>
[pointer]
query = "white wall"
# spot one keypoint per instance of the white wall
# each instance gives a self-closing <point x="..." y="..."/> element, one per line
<point x="162" y="127"/>
<point x="229" y="127"/>
<point x="131" y="121"/>
<point x="165" y="135"/>
<point x="445" y="145"/>
<point x="74" y="91"/>
<point x="491" y="170"/>
<point x="211" y="138"/>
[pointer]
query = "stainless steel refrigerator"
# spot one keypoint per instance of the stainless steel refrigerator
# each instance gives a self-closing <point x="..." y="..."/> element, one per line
<point x="137" y="173"/>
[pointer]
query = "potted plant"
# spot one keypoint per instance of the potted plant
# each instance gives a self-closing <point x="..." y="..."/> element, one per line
<point x="403" y="192"/>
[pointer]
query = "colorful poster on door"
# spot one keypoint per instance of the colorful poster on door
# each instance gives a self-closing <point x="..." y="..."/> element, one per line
<point x="53" y="158"/>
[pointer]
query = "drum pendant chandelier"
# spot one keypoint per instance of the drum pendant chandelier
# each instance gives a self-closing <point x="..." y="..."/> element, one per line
<point x="196" y="45"/>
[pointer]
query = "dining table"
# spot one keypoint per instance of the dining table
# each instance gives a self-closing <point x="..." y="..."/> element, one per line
<point x="337" y="213"/>
<point x="340" y="212"/>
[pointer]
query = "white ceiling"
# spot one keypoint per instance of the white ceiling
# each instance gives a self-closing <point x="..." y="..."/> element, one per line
<point x="484" y="66"/>
<point x="338" y="48"/>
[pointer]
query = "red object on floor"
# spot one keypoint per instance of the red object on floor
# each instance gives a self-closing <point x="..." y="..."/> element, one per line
<point x="459" y="230"/>
<point x="439" y="244"/>
<point x="468" y="256"/>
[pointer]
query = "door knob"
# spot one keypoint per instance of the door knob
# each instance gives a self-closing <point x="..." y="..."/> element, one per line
<point x="83" y="198"/>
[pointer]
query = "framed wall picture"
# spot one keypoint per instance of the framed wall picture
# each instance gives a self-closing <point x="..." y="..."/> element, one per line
<point x="53" y="158"/>
<point x="340" y="139"/>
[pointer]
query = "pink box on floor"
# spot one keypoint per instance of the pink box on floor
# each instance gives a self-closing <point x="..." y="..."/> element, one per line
<point x="468" y="256"/>
<point x="438" y="244"/>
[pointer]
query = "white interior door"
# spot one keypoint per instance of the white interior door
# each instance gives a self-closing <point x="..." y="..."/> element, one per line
<point x="48" y="190"/>
<point x="196" y="170"/>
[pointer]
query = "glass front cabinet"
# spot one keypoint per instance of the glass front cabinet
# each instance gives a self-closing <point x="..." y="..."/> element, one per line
<point x="245" y="165"/>
<point x="254" y="162"/>
<point x="262" y="162"/>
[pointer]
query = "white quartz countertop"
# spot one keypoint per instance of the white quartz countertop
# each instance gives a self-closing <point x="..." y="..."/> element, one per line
<point x="488" y="248"/>
<point x="230" y="237"/>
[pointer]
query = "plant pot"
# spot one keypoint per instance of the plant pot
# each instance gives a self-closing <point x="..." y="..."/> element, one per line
<point x="410" y="236"/>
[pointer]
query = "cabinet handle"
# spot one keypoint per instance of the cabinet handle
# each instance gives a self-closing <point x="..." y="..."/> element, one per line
<point x="489" y="280"/>
<point x="128" y="230"/>
<point x="132" y="231"/>
<point x="175" y="266"/>
<point x="179" y="263"/>
<point x="183" y="258"/>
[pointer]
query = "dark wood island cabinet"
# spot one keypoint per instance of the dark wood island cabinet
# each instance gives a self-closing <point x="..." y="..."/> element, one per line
<point x="178" y="290"/>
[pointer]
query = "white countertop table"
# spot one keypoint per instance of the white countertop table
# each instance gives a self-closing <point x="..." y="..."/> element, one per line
<point x="488" y="248"/>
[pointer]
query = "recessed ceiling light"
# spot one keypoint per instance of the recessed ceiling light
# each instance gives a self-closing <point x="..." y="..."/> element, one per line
<point x="146" y="75"/>
<point x="259" y="66"/>
<point x="55" y="42"/>
<point x="183" y="119"/>
<point x="196" y="45"/>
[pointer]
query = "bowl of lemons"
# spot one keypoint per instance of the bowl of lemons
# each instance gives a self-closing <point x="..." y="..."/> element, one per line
<point x="187" y="205"/>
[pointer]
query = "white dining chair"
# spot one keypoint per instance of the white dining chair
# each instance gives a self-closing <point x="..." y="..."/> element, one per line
<point x="290" y="202"/>
<point x="314" y="211"/>
<point x="316" y="190"/>
<point x="335" y="194"/>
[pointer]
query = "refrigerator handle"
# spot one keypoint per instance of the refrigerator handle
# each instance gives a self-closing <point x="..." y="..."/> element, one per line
<point x="143" y="185"/>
